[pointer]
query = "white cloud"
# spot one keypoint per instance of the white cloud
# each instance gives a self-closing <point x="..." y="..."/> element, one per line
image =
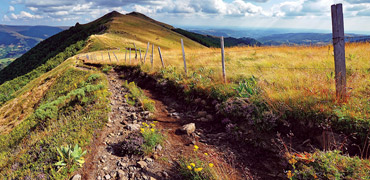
<point x="23" y="15"/>
<point x="11" y="8"/>
<point x="6" y="18"/>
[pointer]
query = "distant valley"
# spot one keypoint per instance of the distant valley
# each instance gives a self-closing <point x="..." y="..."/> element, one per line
<point x="16" y="40"/>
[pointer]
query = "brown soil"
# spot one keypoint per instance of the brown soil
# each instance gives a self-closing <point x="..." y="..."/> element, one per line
<point x="234" y="160"/>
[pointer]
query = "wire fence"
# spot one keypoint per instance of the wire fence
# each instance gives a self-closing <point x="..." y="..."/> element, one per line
<point x="176" y="59"/>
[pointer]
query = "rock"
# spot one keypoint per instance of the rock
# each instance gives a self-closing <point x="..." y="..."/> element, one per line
<point x="197" y="100"/>
<point x="149" y="160"/>
<point x="165" y="174"/>
<point x="203" y="119"/>
<point x="202" y="113"/>
<point x="155" y="156"/>
<point x="133" y="116"/>
<point x="105" y="168"/>
<point x="133" y="127"/>
<point x="107" y="176"/>
<point x="188" y="128"/>
<point x="124" y="122"/>
<point x="76" y="177"/>
<point x="109" y="125"/>
<point x="158" y="147"/>
<point x="203" y="102"/>
<point x="209" y="117"/>
<point x="152" y="178"/>
<point x="142" y="164"/>
<point x="122" y="175"/>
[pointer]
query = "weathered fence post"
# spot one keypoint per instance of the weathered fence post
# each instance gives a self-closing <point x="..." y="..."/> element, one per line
<point x="223" y="58"/>
<point x="125" y="54"/>
<point x="129" y="55"/>
<point x="140" y="55"/>
<point x="160" y="55"/>
<point x="147" y="48"/>
<point x="183" y="56"/>
<point x="152" y="57"/>
<point x="135" y="51"/>
<point x="339" y="50"/>
<point x="109" y="57"/>
<point x="115" y="56"/>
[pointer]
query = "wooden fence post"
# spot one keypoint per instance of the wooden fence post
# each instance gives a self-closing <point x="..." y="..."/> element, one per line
<point x="129" y="55"/>
<point x="147" y="48"/>
<point x="115" y="56"/>
<point x="160" y="55"/>
<point x="223" y="59"/>
<point x="135" y="52"/>
<point x="109" y="57"/>
<point x="140" y="55"/>
<point x="152" y="57"/>
<point x="339" y="50"/>
<point x="183" y="56"/>
<point x="125" y="54"/>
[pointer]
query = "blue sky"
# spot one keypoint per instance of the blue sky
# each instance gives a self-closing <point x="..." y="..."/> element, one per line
<point x="301" y="14"/>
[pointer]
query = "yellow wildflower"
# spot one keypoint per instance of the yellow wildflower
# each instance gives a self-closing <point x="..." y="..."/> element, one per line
<point x="210" y="165"/>
<point x="192" y="164"/>
<point x="152" y="130"/>
<point x="141" y="130"/>
<point x="196" y="147"/>
<point x="289" y="174"/>
<point x="155" y="122"/>
<point x="292" y="161"/>
<point x="198" y="169"/>
<point x="189" y="167"/>
<point x="153" y="125"/>
<point x="206" y="154"/>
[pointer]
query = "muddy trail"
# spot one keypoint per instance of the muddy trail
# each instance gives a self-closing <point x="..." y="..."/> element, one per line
<point x="234" y="160"/>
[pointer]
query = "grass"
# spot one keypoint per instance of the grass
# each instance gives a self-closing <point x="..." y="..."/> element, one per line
<point x="295" y="82"/>
<point x="152" y="137"/>
<point x="327" y="165"/>
<point x="137" y="95"/>
<point x="73" y="107"/>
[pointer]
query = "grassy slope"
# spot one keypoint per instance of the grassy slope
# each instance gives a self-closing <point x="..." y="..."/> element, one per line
<point x="70" y="105"/>
<point x="125" y="30"/>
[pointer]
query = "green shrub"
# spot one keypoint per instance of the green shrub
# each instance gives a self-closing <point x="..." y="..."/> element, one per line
<point x="152" y="137"/>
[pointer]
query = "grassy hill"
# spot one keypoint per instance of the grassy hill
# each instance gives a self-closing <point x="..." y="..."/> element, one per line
<point x="49" y="99"/>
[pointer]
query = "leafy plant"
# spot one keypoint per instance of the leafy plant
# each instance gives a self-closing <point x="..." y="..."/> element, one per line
<point x="247" y="87"/>
<point x="152" y="137"/>
<point x="106" y="68"/>
<point x="70" y="158"/>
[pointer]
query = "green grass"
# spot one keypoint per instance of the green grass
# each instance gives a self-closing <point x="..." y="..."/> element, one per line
<point x="328" y="165"/>
<point x="152" y="137"/>
<point x="69" y="113"/>
<point x="137" y="95"/>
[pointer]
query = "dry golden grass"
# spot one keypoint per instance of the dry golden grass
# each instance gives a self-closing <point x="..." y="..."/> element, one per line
<point x="291" y="77"/>
<point x="18" y="109"/>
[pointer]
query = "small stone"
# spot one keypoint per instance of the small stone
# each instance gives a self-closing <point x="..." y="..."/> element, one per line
<point x="113" y="174"/>
<point x="152" y="178"/>
<point x="109" y="125"/>
<point x="142" y="164"/>
<point x="133" y="116"/>
<point x="105" y="168"/>
<point x="122" y="175"/>
<point x="188" y="128"/>
<point x="158" y="147"/>
<point x="76" y="177"/>
<point x="99" y="178"/>
<point x="202" y="113"/>
<point x="197" y="100"/>
<point x="149" y="160"/>
<point x="124" y="122"/>
<point x="107" y="176"/>
<point x="209" y="117"/>
<point x="155" y="156"/>
<point x="133" y="127"/>
<point x="165" y="174"/>
<point x="203" y="102"/>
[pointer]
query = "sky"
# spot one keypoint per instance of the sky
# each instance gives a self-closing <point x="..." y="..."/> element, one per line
<point x="299" y="14"/>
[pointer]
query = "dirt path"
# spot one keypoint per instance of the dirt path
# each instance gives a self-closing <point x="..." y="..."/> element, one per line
<point x="104" y="162"/>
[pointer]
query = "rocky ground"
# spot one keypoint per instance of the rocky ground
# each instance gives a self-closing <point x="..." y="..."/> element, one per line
<point x="105" y="162"/>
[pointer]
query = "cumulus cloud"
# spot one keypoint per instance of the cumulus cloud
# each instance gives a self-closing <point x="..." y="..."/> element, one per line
<point x="11" y="8"/>
<point x="23" y="15"/>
